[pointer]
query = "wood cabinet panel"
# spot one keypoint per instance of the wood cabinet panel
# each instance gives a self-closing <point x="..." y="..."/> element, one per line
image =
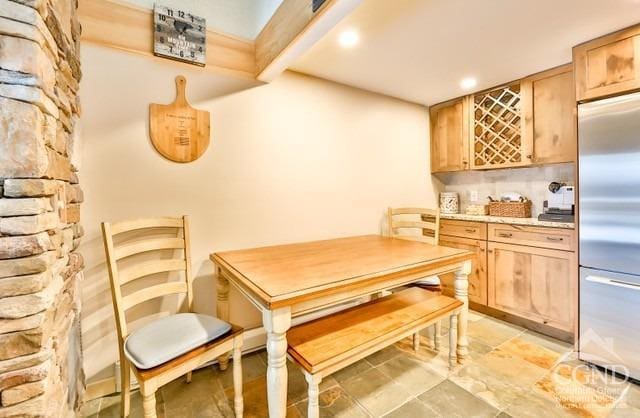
<point x="463" y="229"/>
<point x="478" y="276"/>
<point x="535" y="283"/>
<point x="549" y="107"/>
<point x="449" y="136"/>
<point x="552" y="238"/>
<point x="608" y="65"/>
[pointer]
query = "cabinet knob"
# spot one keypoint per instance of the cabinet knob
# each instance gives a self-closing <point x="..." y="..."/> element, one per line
<point x="490" y="251"/>
<point x="556" y="239"/>
<point x="505" y="235"/>
<point x="470" y="230"/>
<point x="529" y="156"/>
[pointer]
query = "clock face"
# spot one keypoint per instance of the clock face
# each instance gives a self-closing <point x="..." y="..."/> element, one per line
<point x="179" y="35"/>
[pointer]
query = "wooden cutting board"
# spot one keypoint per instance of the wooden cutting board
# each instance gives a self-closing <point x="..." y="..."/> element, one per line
<point x="178" y="131"/>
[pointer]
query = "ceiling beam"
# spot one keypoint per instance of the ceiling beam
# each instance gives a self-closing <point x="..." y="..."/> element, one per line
<point x="122" y="26"/>
<point x="292" y="30"/>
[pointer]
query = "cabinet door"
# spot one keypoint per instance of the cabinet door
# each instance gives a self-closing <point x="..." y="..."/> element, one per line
<point x="608" y="65"/>
<point x="534" y="283"/>
<point x="496" y="138"/>
<point x="449" y="136"/>
<point x="478" y="276"/>
<point x="549" y="108"/>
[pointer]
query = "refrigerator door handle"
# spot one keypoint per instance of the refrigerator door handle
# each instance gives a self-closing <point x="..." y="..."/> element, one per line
<point x="613" y="282"/>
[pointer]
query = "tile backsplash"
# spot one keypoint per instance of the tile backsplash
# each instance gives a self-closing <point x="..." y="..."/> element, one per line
<point x="531" y="182"/>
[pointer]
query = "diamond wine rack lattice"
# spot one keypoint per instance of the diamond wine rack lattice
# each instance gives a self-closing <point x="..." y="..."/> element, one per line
<point x="497" y="139"/>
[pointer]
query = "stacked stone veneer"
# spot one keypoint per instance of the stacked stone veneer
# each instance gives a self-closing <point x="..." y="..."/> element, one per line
<point x="40" y="359"/>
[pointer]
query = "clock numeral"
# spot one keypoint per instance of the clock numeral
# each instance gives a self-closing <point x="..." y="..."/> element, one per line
<point x="171" y="49"/>
<point x="193" y="54"/>
<point x="180" y="13"/>
<point x="163" y="18"/>
<point x="169" y="12"/>
<point x="192" y="19"/>
<point x="199" y="28"/>
<point x="182" y="54"/>
<point x="162" y="39"/>
<point x="200" y="49"/>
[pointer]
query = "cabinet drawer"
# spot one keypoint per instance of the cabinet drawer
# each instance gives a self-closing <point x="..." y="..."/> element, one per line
<point x="554" y="238"/>
<point x="463" y="229"/>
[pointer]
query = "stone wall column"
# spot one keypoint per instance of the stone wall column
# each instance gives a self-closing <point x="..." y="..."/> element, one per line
<point x="40" y="354"/>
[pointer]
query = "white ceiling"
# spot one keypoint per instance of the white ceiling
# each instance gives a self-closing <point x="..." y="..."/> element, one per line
<point x="243" y="18"/>
<point x="419" y="50"/>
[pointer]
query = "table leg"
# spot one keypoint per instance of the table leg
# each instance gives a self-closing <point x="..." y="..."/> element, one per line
<point x="461" y="285"/>
<point x="222" y="310"/>
<point x="276" y="323"/>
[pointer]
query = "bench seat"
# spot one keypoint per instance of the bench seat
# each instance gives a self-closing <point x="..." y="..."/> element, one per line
<point x="331" y="343"/>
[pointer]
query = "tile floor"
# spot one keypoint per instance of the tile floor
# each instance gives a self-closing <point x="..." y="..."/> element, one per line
<point x="512" y="372"/>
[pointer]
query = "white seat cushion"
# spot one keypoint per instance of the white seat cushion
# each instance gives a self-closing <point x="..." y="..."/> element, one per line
<point x="169" y="337"/>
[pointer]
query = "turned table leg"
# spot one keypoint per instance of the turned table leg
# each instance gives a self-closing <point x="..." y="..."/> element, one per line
<point x="461" y="285"/>
<point x="313" y="409"/>
<point x="222" y="310"/>
<point x="276" y="323"/>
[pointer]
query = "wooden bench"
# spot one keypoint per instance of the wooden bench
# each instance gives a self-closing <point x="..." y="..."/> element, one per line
<point x="328" y="344"/>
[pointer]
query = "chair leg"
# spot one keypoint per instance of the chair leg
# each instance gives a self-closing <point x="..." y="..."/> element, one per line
<point x="149" y="404"/>
<point x="453" y="341"/>
<point x="238" y="402"/>
<point x="437" y="335"/>
<point x="125" y="381"/>
<point x="313" y="381"/>
<point x="189" y="376"/>
<point x="416" y="341"/>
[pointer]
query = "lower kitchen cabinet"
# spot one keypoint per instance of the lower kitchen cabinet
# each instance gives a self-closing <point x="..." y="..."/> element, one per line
<point x="534" y="283"/>
<point x="478" y="276"/>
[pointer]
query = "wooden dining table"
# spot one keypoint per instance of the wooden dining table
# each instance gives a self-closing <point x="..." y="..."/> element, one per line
<point x="285" y="281"/>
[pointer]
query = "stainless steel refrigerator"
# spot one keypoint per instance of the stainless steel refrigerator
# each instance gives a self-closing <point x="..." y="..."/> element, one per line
<point x="609" y="180"/>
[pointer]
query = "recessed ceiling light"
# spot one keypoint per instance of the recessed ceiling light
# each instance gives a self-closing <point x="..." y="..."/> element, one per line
<point x="468" y="83"/>
<point x="349" y="38"/>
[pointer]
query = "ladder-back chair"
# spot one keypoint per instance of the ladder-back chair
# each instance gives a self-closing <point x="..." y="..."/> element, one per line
<point x="423" y="225"/>
<point x="174" y="345"/>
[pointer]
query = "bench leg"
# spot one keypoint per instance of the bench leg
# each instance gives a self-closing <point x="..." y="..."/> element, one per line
<point x="453" y="340"/>
<point x="238" y="402"/>
<point x="313" y="381"/>
<point x="222" y="310"/>
<point x="437" y="335"/>
<point x="416" y="341"/>
<point x="148" y="401"/>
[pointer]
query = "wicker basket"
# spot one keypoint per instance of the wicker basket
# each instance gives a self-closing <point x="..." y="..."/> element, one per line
<point x="511" y="209"/>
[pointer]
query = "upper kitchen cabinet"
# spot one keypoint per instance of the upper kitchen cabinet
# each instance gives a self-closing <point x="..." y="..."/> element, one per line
<point x="449" y="136"/>
<point x="608" y="65"/>
<point x="496" y="138"/>
<point x="549" y="112"/>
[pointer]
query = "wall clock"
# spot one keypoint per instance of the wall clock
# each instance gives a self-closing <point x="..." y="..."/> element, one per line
<point x="179" y="35"/>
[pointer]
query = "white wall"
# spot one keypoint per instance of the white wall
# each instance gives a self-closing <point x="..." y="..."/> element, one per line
<point x="299" y="159"/>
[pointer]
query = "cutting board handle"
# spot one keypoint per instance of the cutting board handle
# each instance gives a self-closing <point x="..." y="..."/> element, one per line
<point x="181" y="85"/>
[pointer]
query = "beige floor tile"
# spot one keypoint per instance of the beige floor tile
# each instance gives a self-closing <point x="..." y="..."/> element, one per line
<point x="376" y="392"/>
<point x="413" y="408"/>
<point x="531" y="352"/>
<point x="436" y="361"/>
<point x="492" y="332"/>
<point x="335" y="402"/>
<point x="558" y="346"/>
<point x="383" y="355"/>
<point x="252" y="367"/>
<point x="411" y="374"/>
<point x="351" y="371"/>
<point x="575" y="397"/>
<point x="110" y="406"/>
<point x="498" y="378"/>
<point x="629" y="404"/>
<point x="449" y="400"/>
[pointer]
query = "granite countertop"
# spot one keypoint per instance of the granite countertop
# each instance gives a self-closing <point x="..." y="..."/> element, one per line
<point x="507" y="220"/>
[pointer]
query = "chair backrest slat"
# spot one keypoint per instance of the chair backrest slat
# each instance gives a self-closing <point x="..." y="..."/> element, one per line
<point x="134" y="248"/>
<point x="427" y="222"/>
<point x="148" y="268"/>
<point x="127" y="226"/>
<point x="152" y="292"/>
<point x="121" y="276"/>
